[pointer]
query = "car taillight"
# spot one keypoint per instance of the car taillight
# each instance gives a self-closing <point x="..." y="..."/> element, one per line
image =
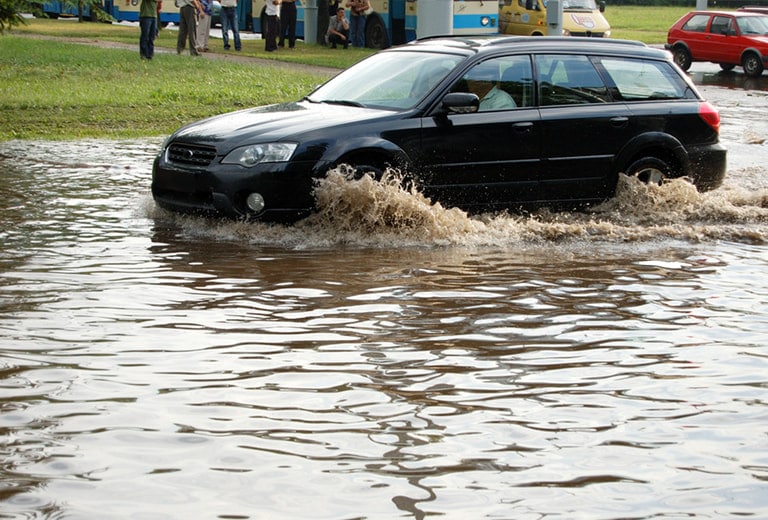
<point x="710" y="115"/>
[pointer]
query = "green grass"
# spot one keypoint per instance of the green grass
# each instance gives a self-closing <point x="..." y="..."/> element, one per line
<point x="52" y="90"/>
<point x="646" y="24"/>
<point x="306" y="54"/>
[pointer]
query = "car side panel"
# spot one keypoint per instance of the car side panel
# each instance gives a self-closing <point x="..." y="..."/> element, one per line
<point x="580" y="144"/>
<point x="723" y="48"/>
<point x="697" y="41"/>
<point x="484" y="158"/>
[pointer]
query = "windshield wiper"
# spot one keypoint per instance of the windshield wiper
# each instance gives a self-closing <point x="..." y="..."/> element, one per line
<point x="345" y="102"/>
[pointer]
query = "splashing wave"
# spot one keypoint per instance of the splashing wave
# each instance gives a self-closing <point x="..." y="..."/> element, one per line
<point x="389" y="213"/>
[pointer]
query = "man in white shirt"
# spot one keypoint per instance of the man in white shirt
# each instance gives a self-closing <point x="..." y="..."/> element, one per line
<point x="273" y="25"/>
<point x="482" y="80"/>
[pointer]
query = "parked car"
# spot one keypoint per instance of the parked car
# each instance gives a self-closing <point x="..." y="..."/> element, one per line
<point x="529" y="17"/>
<point x="564" y="117"/>
<point x="755" y="8"/>
<point x="730" y="38"/>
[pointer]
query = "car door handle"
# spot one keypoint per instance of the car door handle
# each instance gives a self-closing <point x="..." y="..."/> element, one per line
<point x="523" y="127"/>
<point x="619" y="121"/>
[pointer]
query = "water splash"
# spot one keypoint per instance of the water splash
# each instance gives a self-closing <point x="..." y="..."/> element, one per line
<point x="390" y="213"/>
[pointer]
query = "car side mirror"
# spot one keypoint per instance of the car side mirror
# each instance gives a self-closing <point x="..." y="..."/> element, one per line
<point x="602" y="7"/>
<point x="461" y="102"/>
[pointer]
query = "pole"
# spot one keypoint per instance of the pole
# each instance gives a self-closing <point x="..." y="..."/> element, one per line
<point x="310" y="21"/>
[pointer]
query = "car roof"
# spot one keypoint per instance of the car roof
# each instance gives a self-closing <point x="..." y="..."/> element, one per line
<point x="739" y="13"/>
<point x="570" y="44"/>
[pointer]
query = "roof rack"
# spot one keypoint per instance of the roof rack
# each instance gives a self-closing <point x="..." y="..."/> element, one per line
<point x="501" y="39"/>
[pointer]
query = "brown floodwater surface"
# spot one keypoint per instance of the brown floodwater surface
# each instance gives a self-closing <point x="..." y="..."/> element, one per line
<point x="386" y="358"/>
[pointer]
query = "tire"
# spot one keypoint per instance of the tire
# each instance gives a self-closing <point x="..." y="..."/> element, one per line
<point x="375" y="33"/>
<point x="375" y="171"/>
<point x="727" y="66"/>
<point x="682" y="57"/>
<point x="752" y="65"/>
<point x="651" y="170"/>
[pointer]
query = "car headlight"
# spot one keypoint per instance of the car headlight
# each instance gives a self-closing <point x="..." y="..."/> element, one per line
<point x="254" y="154"/>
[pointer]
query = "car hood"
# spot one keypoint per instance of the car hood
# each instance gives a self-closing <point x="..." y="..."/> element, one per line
<point x="762" y="40"/>
<point x="271" y="123"/>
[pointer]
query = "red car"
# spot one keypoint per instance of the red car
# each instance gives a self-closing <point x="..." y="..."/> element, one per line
<point x="730" y="38"/>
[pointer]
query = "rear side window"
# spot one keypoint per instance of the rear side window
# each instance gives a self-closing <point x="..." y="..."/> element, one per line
<point x="569" y="80"/>
<point x="697" y="23"/>
<point x="641" y="80"/>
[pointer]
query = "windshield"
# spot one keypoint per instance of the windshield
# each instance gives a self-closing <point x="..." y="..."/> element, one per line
<point x="392" y="80"/>
<point x="579" y="4"/>
<point x="753" y="25"/>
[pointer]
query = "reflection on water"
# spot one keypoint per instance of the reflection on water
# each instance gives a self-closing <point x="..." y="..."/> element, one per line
<point x="710" y="75"/>
<point x="406" y="362"/>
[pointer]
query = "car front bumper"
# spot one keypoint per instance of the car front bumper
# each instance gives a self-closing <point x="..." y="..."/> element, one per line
<point x="222" y="190"/>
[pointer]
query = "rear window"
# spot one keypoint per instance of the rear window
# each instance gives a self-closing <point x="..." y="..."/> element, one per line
<point x="640" y="80"/>
<point x="697" y="23"/>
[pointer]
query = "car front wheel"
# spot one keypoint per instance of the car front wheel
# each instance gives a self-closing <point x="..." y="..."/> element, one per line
<point x="752" y="65"/>
<point x="682" y="57"/>
<point x="727" y="66"/>
<point x="651" y="170"/>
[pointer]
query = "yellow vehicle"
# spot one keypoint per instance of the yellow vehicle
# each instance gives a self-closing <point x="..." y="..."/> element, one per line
<point x="529" y="17"/>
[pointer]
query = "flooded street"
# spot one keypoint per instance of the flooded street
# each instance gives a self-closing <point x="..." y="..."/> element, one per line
<point x="403" y="362"/>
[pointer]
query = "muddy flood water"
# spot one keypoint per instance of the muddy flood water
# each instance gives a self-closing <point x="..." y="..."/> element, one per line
<point x="402" y="361"/>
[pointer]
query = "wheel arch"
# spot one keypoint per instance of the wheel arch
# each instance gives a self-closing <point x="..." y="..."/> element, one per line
<point x="654" y="144"/>
<point x="679" y="44"/>
<point x="750" y="50"/>
<point x="367" y="151"/>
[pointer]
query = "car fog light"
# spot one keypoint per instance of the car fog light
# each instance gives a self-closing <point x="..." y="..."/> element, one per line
<point x="255" y="202"/>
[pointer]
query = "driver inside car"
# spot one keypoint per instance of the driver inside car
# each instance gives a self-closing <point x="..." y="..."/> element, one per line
<point x="482" y="81"/>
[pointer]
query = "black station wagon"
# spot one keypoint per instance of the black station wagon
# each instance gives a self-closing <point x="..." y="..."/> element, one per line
<point x="480" y="124"/>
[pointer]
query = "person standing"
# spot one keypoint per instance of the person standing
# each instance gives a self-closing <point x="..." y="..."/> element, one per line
<point x="287" y="23"/>
<point x="273" y="25"/>
<point x="357" y="15"/>
<point x="204" y="25"/>
<point x="148" y="25"/>
<point x="338" y="30"/>
<point x="229" y="22"/>
<point x="188" y="12"/>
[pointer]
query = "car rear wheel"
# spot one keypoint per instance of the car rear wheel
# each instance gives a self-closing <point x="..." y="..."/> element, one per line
<point x="651" y="170"/>
<point x="752" y="65"/>
<point x="682" y="57"/>
<point x="727" y="66"/>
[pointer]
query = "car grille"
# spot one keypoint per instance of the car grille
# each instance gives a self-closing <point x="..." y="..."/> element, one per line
<point x="190" y="155"/>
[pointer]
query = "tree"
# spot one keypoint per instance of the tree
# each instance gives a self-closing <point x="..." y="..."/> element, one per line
<point x="10" y="13"/>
